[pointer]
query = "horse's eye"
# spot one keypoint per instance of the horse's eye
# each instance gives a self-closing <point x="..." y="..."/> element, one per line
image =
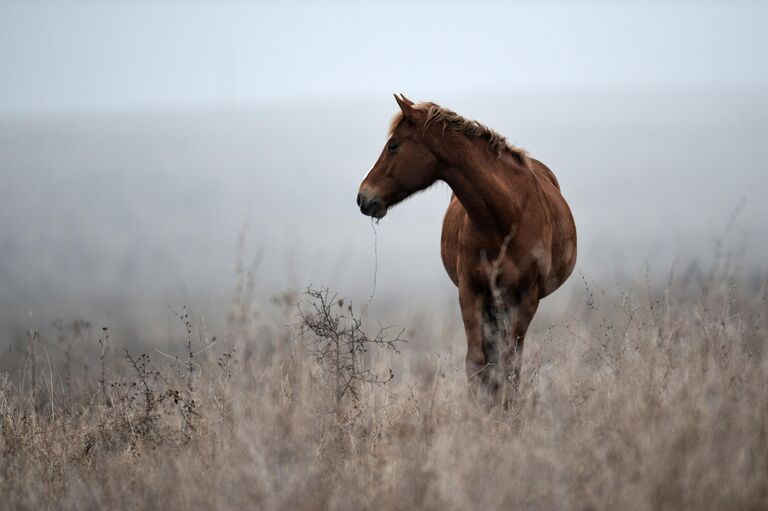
<point x="392" y="147"/>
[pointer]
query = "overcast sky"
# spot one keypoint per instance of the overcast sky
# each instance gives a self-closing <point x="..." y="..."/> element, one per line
<point x="84" y="56"/>
<point x="111" y="217"/>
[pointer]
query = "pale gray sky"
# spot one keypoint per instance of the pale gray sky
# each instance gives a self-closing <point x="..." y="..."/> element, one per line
<point x="82" y="56"/>
<point x="136" y="139"/>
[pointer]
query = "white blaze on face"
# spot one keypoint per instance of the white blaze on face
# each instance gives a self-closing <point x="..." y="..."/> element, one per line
<point x="365" y="192"/>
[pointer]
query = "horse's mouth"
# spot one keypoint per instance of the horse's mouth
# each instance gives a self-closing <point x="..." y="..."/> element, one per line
<point x="377" y="213"/>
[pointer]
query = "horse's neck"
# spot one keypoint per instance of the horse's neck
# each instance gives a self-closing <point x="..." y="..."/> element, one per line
<point x="490" y="202"/>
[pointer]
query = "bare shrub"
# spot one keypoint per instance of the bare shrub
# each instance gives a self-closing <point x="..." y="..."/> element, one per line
<point x="340" y="346"/>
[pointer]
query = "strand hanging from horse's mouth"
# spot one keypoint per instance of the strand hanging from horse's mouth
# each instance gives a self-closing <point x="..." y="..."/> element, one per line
<point x="375" y="260"/>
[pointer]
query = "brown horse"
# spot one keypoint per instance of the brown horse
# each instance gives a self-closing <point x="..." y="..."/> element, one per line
<point x="508" y="235"/>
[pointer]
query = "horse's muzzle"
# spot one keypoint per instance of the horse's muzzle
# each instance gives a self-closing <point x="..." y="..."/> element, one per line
<point x="371" y="206"/>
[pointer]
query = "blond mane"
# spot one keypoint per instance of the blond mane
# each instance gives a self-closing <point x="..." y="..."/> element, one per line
<point x="435" y="114"/>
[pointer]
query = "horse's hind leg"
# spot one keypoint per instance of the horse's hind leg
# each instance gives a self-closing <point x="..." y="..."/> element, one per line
<point x="517" y="318"/>
<point x="495" y="336"/>
<point x="493" y="321"/>
<point x="476" y="363"/>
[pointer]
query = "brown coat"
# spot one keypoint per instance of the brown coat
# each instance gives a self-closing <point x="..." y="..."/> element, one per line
<point x="508" y="235"/>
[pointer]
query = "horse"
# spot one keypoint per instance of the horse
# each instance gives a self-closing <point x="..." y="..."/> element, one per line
<point x="508" y="235"/>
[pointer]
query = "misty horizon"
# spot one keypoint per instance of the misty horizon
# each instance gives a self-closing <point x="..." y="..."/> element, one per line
<point x="115" y="217"/>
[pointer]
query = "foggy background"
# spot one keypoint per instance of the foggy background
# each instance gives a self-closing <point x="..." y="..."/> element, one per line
<point x="139" y="140"/>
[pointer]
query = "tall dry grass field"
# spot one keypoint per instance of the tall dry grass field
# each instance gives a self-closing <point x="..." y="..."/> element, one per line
<point x="635" y="396"/>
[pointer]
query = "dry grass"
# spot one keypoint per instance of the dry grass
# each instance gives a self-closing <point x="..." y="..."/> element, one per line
<point x="634" y="399"/>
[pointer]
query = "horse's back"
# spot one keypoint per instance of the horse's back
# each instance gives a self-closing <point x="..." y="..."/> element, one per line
<point x="544" y="171"/>
<point x="563" y="228"/>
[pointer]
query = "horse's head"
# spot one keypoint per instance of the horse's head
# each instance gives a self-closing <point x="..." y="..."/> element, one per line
<point x="405" y="165"/>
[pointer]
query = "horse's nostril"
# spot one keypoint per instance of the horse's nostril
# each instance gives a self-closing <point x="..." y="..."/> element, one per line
<point x="364" y="204"/>
<point x="369" y="205"/>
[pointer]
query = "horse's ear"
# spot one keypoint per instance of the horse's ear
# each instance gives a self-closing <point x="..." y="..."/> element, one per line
<point x="406" y="105"/>
<point x="402" y="96"/>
